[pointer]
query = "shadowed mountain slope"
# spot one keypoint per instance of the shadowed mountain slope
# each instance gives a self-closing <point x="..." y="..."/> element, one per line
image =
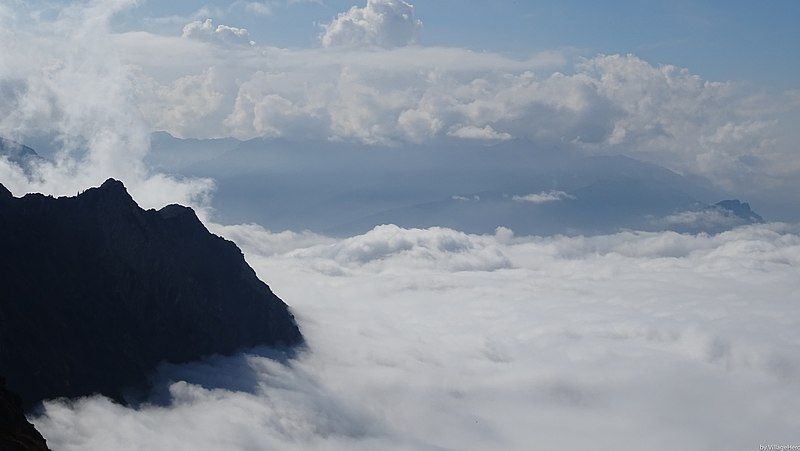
<point x="97" y="291"/>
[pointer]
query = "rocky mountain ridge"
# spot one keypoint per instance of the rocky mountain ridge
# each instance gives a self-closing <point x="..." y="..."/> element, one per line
<point x="97" y="291"/>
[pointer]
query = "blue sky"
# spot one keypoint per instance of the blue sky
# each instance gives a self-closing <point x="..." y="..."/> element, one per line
<point x="733" y="40"/>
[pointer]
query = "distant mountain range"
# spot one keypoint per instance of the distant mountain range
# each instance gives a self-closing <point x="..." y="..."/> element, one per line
<point x="344" y="189"/>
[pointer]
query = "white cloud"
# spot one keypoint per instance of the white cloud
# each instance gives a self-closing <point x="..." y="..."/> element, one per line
<point x="482" y="133"/>
<point x="382" y="23"/>
<point x="205" y="30"/>
<point x="677" y="341"/>
<point x="543" y="197"/>
<point x="266" y="243"/>
<point x="437" y="247"/>
<point x="704" y="218"/>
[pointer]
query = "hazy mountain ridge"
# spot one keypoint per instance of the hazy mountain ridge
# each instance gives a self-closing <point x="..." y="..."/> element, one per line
<point x="344" y="189"/>
<point x="23" y="156"/>
<point x="98" y="291"/>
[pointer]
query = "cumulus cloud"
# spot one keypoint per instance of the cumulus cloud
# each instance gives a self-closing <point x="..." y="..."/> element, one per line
<point x="543" y="197"/>
<point x="205" y="30"/>
<point x="674" y="340"/>
<point x="381" y="23"/>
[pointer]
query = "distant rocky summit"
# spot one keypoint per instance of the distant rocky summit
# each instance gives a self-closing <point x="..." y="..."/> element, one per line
<point x="20" y="155"/>
<point x="715" y="218"/>
<point x="97" y="291"/>
<point x="739" y="209"/>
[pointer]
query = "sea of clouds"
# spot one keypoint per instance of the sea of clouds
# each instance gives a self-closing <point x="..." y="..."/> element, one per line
<point x="435" y="339"/>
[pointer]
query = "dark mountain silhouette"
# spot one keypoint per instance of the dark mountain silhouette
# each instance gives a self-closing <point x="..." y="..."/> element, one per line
<point x="97" y="291"/>
<point x="16" y="433"/>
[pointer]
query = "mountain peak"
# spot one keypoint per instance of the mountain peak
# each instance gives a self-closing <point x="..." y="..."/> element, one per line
<point x="112" y="184"/>
<point x="739" y="209"/>
<point x="111" y="195"/>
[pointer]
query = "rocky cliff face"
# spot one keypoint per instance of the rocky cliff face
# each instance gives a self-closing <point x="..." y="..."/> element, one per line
<point x="16" y="433"/>
<point x="95" y="292"/>
<point x="738" y="209"/>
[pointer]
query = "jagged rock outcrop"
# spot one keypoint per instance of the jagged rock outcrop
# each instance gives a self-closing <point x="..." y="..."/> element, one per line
<point x="16" y="433"/>
<point x="95" y="292"/>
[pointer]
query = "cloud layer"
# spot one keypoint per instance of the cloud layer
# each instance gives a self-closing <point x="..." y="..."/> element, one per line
<point x="411" y="95"/>
<point x="676" y="341"/>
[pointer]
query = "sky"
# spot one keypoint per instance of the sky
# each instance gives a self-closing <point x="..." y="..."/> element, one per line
<point x="736" y="40"/>
<point x="702" y="88"/>
<point x="434" y="338"/>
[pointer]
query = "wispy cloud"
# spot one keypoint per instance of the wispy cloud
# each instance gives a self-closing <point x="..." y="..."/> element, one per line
<point x="543" y="197"/>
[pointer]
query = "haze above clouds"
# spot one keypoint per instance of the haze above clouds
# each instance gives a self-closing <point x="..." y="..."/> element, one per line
<point x="434" y="338"/>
